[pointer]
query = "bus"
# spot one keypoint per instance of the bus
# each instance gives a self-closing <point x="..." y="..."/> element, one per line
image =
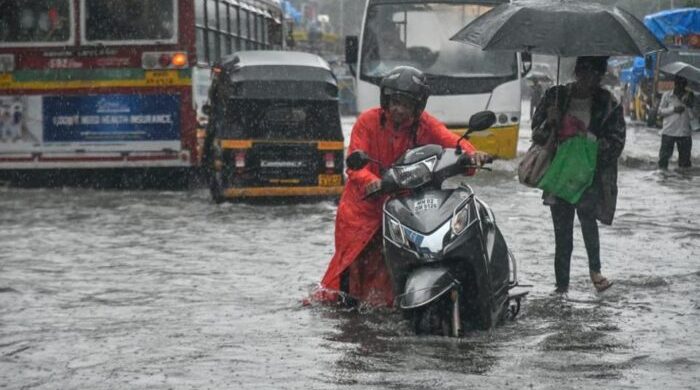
<point x="463" y="79"/>
<point x="94" y="89"/>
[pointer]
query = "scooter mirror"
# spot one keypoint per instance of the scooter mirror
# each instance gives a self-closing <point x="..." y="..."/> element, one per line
<point x="357" y="160"/>
<point x="481" y="121"/>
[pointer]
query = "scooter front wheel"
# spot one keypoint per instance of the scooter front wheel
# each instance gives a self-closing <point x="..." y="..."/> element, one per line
<point x="434" y="318"/>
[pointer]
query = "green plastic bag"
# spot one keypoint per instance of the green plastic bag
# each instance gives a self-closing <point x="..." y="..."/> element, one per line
<point x="572" y="169"/>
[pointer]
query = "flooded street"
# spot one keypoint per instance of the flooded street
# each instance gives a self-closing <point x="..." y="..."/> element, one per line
<point x="160" y="290"/>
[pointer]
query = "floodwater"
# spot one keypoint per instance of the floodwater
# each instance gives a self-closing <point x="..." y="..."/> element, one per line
<point x="160" y="290"/>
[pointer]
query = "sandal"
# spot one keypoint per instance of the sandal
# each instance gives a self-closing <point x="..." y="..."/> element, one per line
<point x="600" y="282"/>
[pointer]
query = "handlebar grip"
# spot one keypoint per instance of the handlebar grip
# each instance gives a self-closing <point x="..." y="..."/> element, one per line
<point x="466" y="161"/>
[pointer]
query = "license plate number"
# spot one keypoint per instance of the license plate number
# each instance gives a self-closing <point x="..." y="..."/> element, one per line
<point x="329" y="180"/>
<point x="426" y="204"/>
<point x="161" y="77"/>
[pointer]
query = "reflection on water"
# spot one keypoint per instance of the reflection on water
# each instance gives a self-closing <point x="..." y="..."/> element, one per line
<point x="107" y="289"/>
<point x="380" y="351"/>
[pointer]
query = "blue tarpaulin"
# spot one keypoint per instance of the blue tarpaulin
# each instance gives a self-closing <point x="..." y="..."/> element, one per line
<point x="290" y="12"/>
<point x="682" y="21"/>
<point x="633" y="74"/>
<point x="626" y="76"/>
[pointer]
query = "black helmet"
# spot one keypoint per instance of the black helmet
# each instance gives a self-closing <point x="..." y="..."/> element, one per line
<point x="406" y="81"/>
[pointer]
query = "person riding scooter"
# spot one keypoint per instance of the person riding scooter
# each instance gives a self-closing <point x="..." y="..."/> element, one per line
<point x="384" y="133"/>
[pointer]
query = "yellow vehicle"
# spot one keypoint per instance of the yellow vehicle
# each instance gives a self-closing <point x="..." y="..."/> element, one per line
<point x="274" y="128"/>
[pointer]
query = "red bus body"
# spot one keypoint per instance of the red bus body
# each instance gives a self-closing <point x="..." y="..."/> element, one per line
<point x="91" y="105"/>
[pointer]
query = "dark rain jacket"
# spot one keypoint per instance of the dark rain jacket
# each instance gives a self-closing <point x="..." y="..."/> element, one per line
<point x="608" y="125"/>
<point x="359" y="219"/>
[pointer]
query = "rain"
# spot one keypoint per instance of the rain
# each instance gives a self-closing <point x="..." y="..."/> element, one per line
<point x="170" y="173"/>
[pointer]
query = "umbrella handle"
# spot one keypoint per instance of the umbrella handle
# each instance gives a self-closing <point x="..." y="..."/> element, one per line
<point x="556" y="91"/>
<point x="558" y="66"/>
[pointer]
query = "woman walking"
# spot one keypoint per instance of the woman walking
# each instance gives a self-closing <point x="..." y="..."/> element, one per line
<point x="583" y="107"/>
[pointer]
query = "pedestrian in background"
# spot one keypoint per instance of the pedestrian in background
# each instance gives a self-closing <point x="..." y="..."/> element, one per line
<point x="676" y="110"/>
<point x="583" y="107"/>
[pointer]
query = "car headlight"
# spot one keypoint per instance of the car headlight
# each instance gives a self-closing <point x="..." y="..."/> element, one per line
<point x="460" y="220"/>
<point x="415" y="175"/>
<point x="395" y="231"/>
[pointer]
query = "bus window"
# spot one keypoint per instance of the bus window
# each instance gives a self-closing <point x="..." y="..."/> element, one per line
<point x="212" y="20"/>
<point x="244" y="23"/>
<point x="213" y="45"/>
<point x="36" y="21"/>
<point x="259" y="29"/>
<point x="233" y="27"/>
<point x="223" y="27"/>
<point x="201" y="47"/>
<point x="223" y="17"/>
<point x="266" y="33"/>
<point x="200" y="27"/>
<point x="233" y="20"/>
<point x="397" y="35"/>
<point x="129" y="20"/>
<point x="199" y="13"/>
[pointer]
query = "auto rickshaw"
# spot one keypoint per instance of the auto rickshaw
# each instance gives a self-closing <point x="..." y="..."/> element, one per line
<point x="274" y="129"/>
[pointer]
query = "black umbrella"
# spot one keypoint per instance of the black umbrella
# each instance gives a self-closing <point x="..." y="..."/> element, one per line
<point x="561" y="28"/>
<point x="687" y="71"/>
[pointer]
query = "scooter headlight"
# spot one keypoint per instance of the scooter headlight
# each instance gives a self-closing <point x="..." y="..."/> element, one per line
<point x="460" y="220"/>
<point x="415" y="175"/>
<point x="395" y="231"/>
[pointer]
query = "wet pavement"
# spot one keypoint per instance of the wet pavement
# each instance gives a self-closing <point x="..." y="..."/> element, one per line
<point x="160" y="290"/>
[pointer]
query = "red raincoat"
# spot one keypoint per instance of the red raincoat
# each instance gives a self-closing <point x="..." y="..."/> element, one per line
<point x="358" y="220"/>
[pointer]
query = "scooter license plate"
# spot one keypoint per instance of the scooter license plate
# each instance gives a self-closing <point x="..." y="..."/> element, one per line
<point x="426" y="204"/>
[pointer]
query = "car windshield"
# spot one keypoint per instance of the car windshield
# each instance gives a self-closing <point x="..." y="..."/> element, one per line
<point x="38" y="21"/>
<point x="281" y="119"/>
<point x="129" y="20"/>
<point x="419" y="35"/>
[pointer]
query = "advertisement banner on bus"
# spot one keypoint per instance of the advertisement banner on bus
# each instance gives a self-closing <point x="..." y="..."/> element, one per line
<point x="50" y="120"/>
<point x="111" y="118"/>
